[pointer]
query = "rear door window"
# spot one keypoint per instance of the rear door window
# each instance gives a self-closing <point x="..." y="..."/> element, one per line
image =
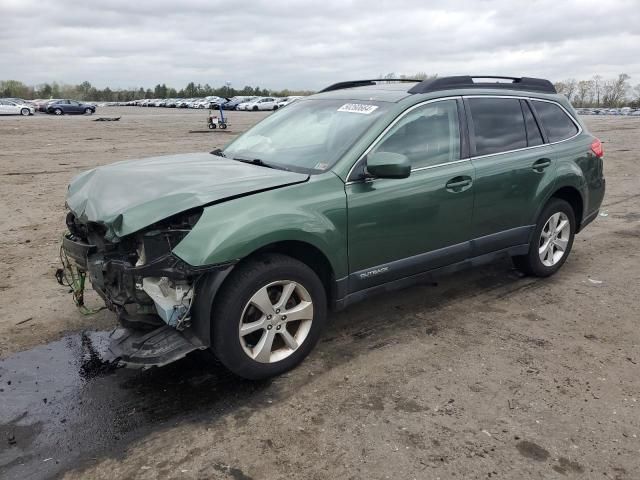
<point x="498" y="125"/>
<point x="555" y="121"/>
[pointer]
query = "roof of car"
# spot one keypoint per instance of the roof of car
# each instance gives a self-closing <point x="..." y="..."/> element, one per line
<point x="394" y="90"/>
<point x="383" y="92"/>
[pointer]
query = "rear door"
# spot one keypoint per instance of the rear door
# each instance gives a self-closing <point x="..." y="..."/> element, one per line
<point x="514" y="170"/>
<point x="400" y="227"/>
<point x="73" y="107"/>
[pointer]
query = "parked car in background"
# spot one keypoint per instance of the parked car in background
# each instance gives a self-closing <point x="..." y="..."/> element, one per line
<point x="215" y="102"/>
<point x="21" y="101"/>
<point x="12" y="107"/>
<point x="263" y="103"/>
<point x="283" y="102"/>
<point x="41" y="104"/>
<point x="61" y="107"/>
<point x="235" y="102"/>
<point x="243" y="105"/>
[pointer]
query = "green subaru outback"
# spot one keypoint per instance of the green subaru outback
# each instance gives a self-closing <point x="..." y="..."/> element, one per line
<point x="365" y="187"/>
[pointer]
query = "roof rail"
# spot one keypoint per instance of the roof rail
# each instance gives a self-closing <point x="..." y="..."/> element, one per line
<point x="466" y="81"/>
<point x="363" y="83"/>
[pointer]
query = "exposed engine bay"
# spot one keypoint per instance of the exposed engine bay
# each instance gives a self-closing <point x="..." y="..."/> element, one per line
<point x="139" y="278"/>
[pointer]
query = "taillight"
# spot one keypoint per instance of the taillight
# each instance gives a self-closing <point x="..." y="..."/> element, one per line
<point x="596" y="148"/>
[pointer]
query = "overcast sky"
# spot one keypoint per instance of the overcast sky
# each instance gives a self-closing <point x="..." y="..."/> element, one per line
<point x="307" y="45"/>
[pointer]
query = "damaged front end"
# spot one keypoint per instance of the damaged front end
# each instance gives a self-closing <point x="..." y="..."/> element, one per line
<point x="152" y="291"/>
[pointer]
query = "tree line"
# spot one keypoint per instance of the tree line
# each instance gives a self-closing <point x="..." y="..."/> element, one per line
<point x="87" y="92"/>
<point x="600" y="92"/>
<point x="594" y="92"/>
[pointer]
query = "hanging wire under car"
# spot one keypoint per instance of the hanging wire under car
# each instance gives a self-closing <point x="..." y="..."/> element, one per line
<point x="74" y="278"/>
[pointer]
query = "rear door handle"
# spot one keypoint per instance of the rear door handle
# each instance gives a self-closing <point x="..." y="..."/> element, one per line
<point x="540" y="164"/>
<point x="458" y="184"/>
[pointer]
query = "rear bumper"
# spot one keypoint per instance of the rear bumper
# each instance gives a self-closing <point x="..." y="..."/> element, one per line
<point x="587" y="220"/>
<point x="599" y="196"/>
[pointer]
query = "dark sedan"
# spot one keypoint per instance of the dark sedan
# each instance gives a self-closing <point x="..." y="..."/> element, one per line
<point x="60" y="107"/>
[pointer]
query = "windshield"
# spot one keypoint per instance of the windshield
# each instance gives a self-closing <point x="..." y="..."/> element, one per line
<point x="308" y="136"/>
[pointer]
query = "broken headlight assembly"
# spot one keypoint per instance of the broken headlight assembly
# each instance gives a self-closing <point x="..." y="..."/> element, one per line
<point x="166" y="279"/>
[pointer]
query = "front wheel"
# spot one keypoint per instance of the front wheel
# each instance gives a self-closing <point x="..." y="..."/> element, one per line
<point x="58" y="111"/>
<point x="551" y="241"/>
<point x="268" y="316"/>
<point x="25" y="112"/>
<point x="88" y="111"/>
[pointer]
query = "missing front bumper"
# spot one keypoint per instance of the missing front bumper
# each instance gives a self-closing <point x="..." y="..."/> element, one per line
<point x="159" y="347"/>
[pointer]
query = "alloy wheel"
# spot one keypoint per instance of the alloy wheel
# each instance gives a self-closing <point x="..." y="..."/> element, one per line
<point x="276" y="321"/>
<point x="554" y="239"/>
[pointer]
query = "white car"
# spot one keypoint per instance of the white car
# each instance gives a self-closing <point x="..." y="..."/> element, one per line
<point x="10" y="107"/>
<point x="244" y="105"/>
<point x="264" y="103"/>
<point x="283" y="102"/>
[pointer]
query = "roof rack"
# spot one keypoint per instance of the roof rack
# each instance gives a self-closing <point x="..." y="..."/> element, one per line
<point x="466" y="81"/>
<point x="363" y="83"/>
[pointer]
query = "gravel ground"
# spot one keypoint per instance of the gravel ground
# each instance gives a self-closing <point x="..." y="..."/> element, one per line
<point x="486" y="375"/>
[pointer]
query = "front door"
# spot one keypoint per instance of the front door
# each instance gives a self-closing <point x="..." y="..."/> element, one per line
<point x="6" y="107"/>
<point x="400" y="227"/>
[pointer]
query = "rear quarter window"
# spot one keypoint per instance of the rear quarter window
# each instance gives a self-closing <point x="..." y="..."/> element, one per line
<point x="555" y="121"/>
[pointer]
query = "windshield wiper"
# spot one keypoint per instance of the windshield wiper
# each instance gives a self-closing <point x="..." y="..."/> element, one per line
<point x="218" y="152"/>
<point x="254" y="161"/>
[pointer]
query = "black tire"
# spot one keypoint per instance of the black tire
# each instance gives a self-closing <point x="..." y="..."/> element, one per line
<point x="88" y="111"/>
<point x="212" y="126"/>
<point x="255" y="109"/>
<point x="58" y="111"/>
<point x="275" y="107"/>
<point x="531" y="264"/>
<point x="25" y="112"/>
<point x="223" y="126"/>
<point x="234" y="295"/>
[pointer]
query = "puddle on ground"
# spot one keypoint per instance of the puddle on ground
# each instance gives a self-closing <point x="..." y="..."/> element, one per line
<point x="65" y="402"/>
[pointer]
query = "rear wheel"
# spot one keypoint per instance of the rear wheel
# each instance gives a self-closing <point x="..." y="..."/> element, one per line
<point x="58" y="111"/>
<point x="25" y="112"/>
<point x="551" y="241"/>
<point x="268" y="316"/>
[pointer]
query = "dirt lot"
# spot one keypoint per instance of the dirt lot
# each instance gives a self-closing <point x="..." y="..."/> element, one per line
<point x="486" y="375"/>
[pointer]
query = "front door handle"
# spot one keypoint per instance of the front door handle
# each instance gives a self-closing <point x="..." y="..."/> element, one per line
<point x="540" y="164"/>
<point x="458" y="184"/>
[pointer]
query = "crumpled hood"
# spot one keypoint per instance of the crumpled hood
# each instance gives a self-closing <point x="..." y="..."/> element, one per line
<point x="128" y="196"/>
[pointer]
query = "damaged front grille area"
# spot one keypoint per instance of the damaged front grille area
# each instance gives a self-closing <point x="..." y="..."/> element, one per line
<point x="138" y="276"/>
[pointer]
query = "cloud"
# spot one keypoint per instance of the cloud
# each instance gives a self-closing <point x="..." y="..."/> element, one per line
<point x="281" y="43"/>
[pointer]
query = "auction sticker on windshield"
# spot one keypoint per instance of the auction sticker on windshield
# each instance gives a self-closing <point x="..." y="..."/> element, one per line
<point x="357" y="108"/>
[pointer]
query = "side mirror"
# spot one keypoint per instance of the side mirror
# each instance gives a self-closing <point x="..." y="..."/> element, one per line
<point x="388" y="165"/>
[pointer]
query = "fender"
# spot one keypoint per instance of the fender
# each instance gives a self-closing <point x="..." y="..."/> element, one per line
<point x="315" y="214"/>
<point x="568" y="174"/>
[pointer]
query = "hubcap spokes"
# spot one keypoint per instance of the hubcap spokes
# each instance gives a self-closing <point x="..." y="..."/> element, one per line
<point x="554" y="239"/>
<point x="276" y="321"/>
